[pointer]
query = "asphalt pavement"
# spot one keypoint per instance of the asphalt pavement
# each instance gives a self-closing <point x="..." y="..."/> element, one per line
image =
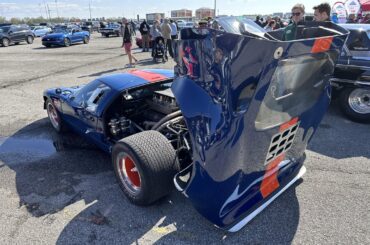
<point x="61" y="189"/>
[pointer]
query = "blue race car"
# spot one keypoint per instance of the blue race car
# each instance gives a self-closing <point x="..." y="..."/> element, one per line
<point x="65" y="36"/>
<point x="228" y="128"/>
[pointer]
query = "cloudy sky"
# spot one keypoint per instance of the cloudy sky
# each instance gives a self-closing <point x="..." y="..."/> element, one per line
<point x="130" y="8"/>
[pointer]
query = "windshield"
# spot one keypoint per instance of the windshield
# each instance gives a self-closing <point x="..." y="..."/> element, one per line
<point x="4" y="29"/>
<point x="62" y="30"/>
<point x="240" y="25"/>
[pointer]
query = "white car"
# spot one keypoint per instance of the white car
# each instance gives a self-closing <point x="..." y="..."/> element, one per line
<point x="180" y="24"/>
<point x="40" y="31"/>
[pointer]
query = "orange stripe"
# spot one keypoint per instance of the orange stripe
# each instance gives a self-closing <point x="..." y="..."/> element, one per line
<point x="270" y="181"/>
<point x="288" y="124"/>
<point x="322" y="45"/>
<point x="149" y="76"/>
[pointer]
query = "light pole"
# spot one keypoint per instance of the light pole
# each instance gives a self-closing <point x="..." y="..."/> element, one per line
<point x="56" y="6"/>
<point x="90" y="9"/>
<point x="215" y="10"/>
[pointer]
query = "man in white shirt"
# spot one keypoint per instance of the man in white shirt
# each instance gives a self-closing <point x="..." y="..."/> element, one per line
<point x="173" y="36"/>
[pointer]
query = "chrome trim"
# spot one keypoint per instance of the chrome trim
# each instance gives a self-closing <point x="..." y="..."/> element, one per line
<point x="355" y="82"/>
<point x="247" y="219"/>
<point x="353" y="66"/>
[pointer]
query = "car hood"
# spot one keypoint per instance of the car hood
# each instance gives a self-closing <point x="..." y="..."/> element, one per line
<point x="55" y="35"/>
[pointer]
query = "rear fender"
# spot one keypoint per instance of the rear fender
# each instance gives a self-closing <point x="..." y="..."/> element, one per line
<point x="251" y="106"/>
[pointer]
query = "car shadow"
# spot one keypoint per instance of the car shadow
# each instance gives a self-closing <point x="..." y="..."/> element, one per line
<point x="49" y="166"/>
<point x="340" y="138"/>
<point x="57" y="176"/>
<point x="174" y="219"/>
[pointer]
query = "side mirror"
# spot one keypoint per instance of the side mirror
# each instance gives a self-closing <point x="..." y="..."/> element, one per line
<point x="73" y="31"/>
<point x="10" y="32"/>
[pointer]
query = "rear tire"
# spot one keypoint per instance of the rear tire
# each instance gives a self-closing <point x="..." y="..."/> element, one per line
<point x="86" y="40"/>
<point x="5" y="42"/>
<point x="145" y="164"/>
<point x="106" y="35"/>
<point x="67" y="42"/>
<point x="29" y="39"/>
<point x="355" y="104"/>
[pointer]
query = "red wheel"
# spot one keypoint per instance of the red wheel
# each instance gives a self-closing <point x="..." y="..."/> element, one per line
<point x="128" y="173"/>
<point x="145" y="164"/>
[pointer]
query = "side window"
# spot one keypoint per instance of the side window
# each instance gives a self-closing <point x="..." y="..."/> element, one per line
<point x="91" y="95"/>
<point x="358" y="41"/>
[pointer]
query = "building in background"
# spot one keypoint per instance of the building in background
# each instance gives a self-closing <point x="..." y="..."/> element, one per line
<point x="181" y="13"/>
<point x="154" y="16"/>
<point x="204" y="13"/>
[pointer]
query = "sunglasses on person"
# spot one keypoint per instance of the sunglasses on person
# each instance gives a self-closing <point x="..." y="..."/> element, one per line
<point x="296" y="14"/>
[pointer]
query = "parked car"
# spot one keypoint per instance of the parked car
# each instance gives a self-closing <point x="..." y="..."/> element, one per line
<point x="189" y="24"/>
<point x="65" y="37"/>
<point x="228" y="127"/>
<point x="352" y="74"/>
<point x="112" y="29"/>
<point x="15" y="34"/>
<point x="180" y="24"/>
<point x="40" y="31"/>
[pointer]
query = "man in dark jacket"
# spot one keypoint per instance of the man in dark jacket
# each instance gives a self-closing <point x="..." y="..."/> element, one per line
<point x="322" y="12"/>
<point x="290" y="32"/>
<point x="144" y="30"/>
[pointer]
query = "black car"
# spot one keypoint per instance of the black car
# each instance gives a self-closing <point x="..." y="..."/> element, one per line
<point x="112" y="29"/>
<point x="15" y="34"/>
<point x="351" y="81"/>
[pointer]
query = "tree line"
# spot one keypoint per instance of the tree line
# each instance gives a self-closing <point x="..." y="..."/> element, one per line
<point x="37" y="20"/>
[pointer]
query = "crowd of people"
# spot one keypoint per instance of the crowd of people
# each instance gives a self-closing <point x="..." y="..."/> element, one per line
<point x="167" y="30"/>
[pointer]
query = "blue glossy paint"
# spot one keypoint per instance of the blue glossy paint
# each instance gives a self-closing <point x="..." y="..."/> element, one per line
<point x="89" y="124"/>
<point x="223" y="81"/>
<point x="58" y="38"/>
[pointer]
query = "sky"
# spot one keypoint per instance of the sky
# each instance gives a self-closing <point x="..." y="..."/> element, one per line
<point x="130" y="8"/>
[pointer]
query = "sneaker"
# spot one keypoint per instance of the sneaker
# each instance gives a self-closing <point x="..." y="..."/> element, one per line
<point x="129" y="66"/>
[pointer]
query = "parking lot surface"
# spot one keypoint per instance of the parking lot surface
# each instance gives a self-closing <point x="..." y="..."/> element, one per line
<point x="61" y="189"/>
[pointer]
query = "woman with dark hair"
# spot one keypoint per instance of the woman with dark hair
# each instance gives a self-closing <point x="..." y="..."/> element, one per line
<point x="127" y="42"/>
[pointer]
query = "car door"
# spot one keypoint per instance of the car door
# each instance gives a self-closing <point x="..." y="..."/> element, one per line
<point x="79" y="35"/>
<point x="81" y="109"/>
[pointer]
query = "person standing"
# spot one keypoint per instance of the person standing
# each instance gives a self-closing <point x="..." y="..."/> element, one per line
<point x="270" y="26"/>
<point x="133" y="26"/>
<point x="322" y="12"/>
<point x="144" y="30"/>
<point x="173" y="30"/>
<point x="154" y="33"/>
<point x="126" y="31"/>
<point x="166" y="33"/>
<point x="290" y="32"/>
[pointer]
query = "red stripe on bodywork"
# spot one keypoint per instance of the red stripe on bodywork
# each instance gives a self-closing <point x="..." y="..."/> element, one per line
<point x="322" y="45"/>
<point x="148" y="76"/>
<point x="270" y="181"/>
<point x="288" y="124"/>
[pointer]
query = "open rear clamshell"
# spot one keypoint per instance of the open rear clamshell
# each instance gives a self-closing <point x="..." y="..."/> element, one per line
<point x="251" y="103"/>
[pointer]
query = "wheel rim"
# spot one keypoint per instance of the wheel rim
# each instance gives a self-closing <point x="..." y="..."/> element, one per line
<point x="86" y="40"/>
<point x="5" y="42"/>
<point x="359" y="101"/>
<point x="128" y="173"/>
<point x="29" y="39"/>
<point x="66" y="42"/>
<point x="53" y="116"/>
